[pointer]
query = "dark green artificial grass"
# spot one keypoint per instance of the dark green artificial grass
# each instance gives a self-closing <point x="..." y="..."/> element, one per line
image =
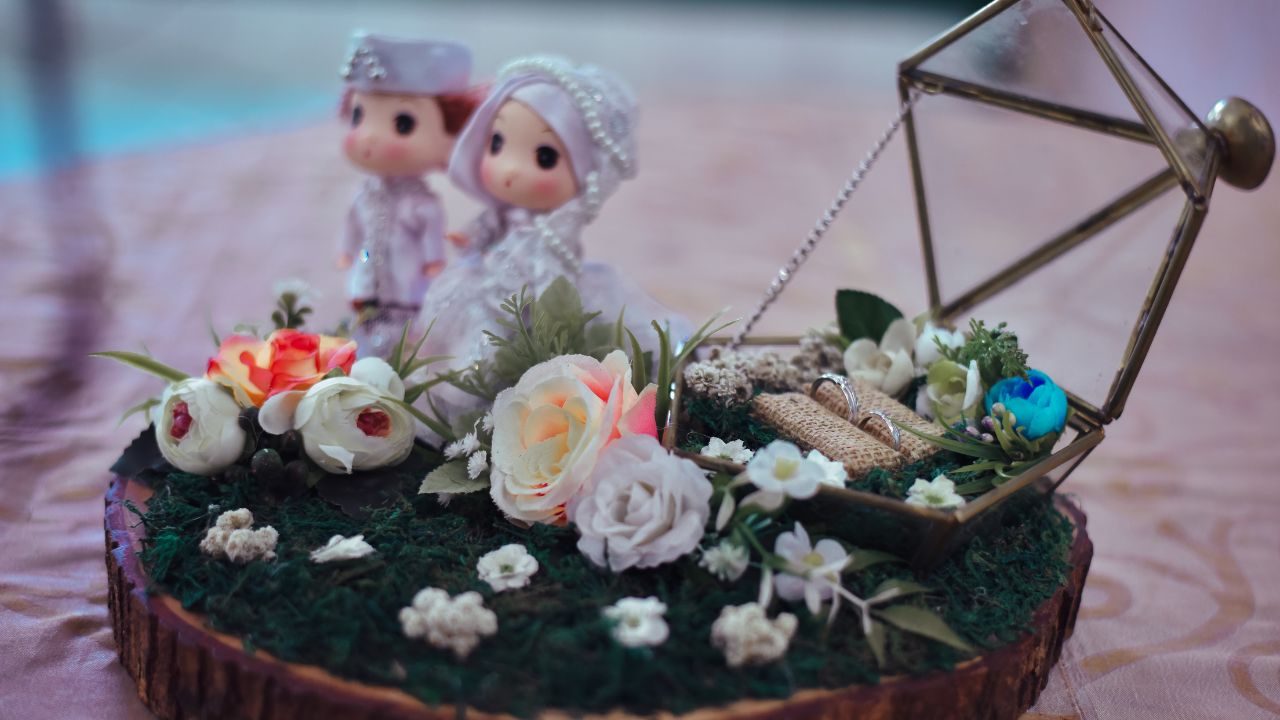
<point x="552" y="649"/>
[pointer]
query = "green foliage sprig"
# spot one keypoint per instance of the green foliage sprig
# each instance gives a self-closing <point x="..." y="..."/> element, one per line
<point x="542" y="327"/>
<point x="291" y="311"/>
<point x="996" y="349"/>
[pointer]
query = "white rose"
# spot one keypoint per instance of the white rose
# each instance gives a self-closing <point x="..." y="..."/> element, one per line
<point x="927" y="352"/>
<point x="549" y="430"/>
<point x="348" y="425"/>
<point x="198" y="427"/>
<point x="648" y="507"/>
<point x="375" y="372"/>
<point x="886" y="365"/>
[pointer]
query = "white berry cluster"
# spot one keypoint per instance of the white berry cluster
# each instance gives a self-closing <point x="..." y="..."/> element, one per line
<point x="449" y="623"/>
<point x="233" y="537"/>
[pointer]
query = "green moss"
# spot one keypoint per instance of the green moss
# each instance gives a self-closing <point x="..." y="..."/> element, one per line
<point x="552" y="647"/>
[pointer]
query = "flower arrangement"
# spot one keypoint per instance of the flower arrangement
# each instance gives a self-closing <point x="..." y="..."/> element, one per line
<point x="554" y="518"/>
<point x="291" y="393"/>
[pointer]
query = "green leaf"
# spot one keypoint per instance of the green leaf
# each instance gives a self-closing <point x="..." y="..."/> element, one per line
<point x="561" y="303"/>
<point x="213" y="333"/>
<point x="895" y="588"/>
<point x="876" y="639"/>
<point x="143" y="407"/>
<point x="451" y="477"/>
<point x="924" y="622"/>
<point x="334" y="373"/>
<point x="396" y="361"/>
<point x="435" y="425"/>
<point x="974" y="449"/>
<point x="863" y="315"/>
<point x="144" y="363"/>
<point x="862" y="559"/>
<point x="639" y="363"/>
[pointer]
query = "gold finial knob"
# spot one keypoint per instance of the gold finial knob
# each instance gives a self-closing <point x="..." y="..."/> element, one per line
<point x="1248" y="140"/>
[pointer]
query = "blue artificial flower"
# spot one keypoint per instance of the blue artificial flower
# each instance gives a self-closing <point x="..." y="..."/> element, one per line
<point x="1036" y="401"/>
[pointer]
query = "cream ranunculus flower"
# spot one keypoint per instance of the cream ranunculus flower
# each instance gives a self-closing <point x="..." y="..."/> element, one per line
<point x="886" y="365"/>
<point x="955" y="391"/>
<point x="349" y="425"/>
<point x="377" y="373"/>
<point x="549" y="430"/>
<point x="927" y="352"/>
<point x="198" y="427"/>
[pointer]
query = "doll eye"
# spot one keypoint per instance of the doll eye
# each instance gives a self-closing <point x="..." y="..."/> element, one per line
<point x="357" y="114"/>
<point x="495" y="144"/>
<point x="405" y="123"/>
<point x="547" y="156"/>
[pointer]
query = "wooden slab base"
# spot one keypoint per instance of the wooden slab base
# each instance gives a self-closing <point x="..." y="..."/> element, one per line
<point x="185" y="670"/>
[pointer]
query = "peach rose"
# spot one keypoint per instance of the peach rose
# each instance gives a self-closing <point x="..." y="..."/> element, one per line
<point x="254" y="369"/>
<point x="549" y="430"/>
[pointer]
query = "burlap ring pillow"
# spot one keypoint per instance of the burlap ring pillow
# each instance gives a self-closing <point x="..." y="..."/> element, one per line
<point x="869" y="398"/>
<point x="812" y="426"/>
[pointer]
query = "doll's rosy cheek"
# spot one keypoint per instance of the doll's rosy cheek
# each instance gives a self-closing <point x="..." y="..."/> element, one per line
<point x="349" y="143"/>
<point x="397" y="151"/>
<point x="486" y="172"/>
<point x="547" y="186"/>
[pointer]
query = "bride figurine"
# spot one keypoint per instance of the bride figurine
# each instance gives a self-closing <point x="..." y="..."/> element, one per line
<point x="544" y="150"/>
<point x="406" y="101"/>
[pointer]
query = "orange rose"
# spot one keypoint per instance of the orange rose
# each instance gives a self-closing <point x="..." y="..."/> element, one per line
<point x="254" y="369"/>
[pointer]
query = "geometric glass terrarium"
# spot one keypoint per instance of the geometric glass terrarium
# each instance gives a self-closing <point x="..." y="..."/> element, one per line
<point x="1051" y="165"/>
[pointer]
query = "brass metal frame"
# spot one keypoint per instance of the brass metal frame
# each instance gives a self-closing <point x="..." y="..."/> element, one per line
<point x="944" y="530"/>
<point x="1177" y="173"/>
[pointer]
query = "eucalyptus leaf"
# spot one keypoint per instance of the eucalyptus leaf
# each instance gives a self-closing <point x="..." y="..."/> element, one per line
<point x="861" y="559"/>
<point x="863" y="315"/>
<point x="924" y="622"/>
<point x="876" y="639"/>
<point x="145" y="363"/>
<point x="451" y="478"/>
<point x="895" y="588"/>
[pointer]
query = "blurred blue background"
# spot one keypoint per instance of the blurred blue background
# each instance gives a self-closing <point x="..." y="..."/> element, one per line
<point x="88" y="77"/>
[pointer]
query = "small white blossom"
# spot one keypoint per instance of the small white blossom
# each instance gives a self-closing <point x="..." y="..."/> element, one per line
<point x="477" y="464"/>
<point x="342" y="548"/>
<point x="233" y="538"/>
<point x="733" y="451"/>
<point x="940" y="493"/>
<point x="486" y="422"/>
<point x="833" y="472"/>
<point x="748" y="637"/>
<point x="461" y="448"/>
<point x="780" y="469"/>
<point x="813" y="570"/>
<point x="300" y="289"/>
<point x="638" y="622"/>
<point x="507" y="568"/>
<point x="455" y="624"/>
<point x="727" y="561"/>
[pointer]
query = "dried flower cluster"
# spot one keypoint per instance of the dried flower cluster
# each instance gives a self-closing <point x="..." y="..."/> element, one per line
<point x="820" y="352"/>
<point x="747" y="636"/>
<point x="233" y="537"/>
<point x="456" y="623"/>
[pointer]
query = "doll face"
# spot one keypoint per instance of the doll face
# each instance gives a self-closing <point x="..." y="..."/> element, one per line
<point x="396" y="135"/>
<point x="525" y="164"/>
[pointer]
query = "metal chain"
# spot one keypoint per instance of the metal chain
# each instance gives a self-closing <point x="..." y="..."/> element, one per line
<point x="806" y="248"/>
